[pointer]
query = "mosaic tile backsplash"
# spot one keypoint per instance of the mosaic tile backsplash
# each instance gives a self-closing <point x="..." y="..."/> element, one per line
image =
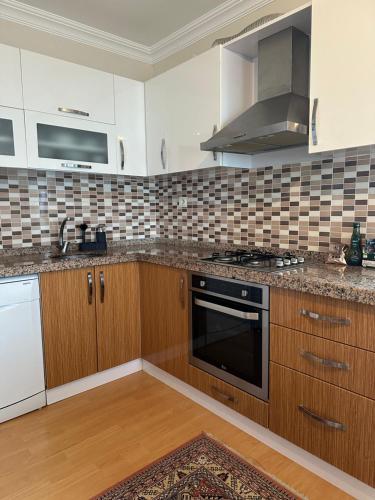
<point x="33" y="203"/>
<point x="303" y="206"/>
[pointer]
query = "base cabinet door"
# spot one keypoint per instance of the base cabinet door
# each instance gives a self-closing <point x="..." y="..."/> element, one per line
<point x="69" y="325"/>
<point x="330" y="422"/>
<point x="118" y="314"/>
<point x="164" y="307"/>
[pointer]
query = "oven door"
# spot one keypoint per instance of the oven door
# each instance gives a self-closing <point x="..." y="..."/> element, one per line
<point x="229" y="340"/>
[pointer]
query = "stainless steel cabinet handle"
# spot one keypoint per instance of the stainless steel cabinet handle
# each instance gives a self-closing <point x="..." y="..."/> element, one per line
<point x="122" y="153"/>
<point x="319" y="317"/>
<point x="163" y="155"/>
<point x="182" y="290"/>
<point x="76" y="165"/>
<point x="324" y="421"/>
<point x="102" y="286"/>
<point x="314" y="133"/>
<point x="226" y="310"/>
<point x="73" y="111"/>
<point x="214" y="153"/>
<point x="329" y="363"/>
<point x="227" y="397"/>
<point x="89" y="282"/>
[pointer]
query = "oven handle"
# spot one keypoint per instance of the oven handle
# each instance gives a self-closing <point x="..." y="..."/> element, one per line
<point x="226" y="310"/>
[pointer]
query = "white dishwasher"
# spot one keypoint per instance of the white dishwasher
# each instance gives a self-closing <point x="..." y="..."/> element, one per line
<point x="22" y="387"/>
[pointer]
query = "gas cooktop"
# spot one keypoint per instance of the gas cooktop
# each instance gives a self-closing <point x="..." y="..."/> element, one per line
<point x="255" y="259"/>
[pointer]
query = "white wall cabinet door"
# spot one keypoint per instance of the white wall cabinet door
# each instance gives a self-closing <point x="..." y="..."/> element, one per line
<point x="342" y="74"/>
<point x="66" y="89"/>
<point x="12" y="138"/>
<point x="157" y="124"/>
<point x="70" y="144"/>
<point x="130" y="126"/>
<point x="184" y="105"/>
<point x="10" y="77"/>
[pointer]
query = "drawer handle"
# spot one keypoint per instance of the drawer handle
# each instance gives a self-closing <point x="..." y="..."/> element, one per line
<point x="227" y="397"/>
<point x="324" y="421"/>
<point x="73" y="111"/>
<point x="227" y="310"/>
<point x="329" y="363"/>
<point x="320" y="317"/>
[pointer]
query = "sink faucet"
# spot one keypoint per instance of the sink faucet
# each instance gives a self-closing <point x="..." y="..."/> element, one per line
<point x="63" y="245"/>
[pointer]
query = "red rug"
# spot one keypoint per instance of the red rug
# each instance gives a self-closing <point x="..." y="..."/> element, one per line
<point x="200" y="469"/>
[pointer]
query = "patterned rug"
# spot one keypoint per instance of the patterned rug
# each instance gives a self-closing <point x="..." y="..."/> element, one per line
<point x="200" y="469"/>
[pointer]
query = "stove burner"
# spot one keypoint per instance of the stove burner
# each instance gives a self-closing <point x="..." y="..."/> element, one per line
<point x="256" y="259"/>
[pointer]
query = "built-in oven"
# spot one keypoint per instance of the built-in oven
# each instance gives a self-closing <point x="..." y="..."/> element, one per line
<point x="229" y="331"/>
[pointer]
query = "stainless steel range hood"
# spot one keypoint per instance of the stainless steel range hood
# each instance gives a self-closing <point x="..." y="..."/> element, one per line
<point x="280" y="117"/>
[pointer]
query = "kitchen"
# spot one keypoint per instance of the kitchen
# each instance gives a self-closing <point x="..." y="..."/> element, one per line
<point x="186" y="250"/>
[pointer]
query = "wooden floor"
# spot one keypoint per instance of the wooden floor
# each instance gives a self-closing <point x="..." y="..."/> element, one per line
<point x="78" y="447"/>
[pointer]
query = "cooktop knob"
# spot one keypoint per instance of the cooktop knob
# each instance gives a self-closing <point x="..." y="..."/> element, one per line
<point x="301" y="260"/>
<point x="279" y="263"/>
<point x="202" y="284"/>
<point x="294" y="260"/>
<point x="286" y="262"/>
<point x="244" y="293"/>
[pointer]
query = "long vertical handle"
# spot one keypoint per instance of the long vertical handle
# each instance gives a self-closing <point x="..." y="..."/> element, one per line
<point x="162" y="154"/>
<point x="182" y="291"/>
<point x="90" y="287"/>
<point x="122" y="153"/>
<point x="314" y="133"/>
<point x="102" y="286"/>
<point x="214" y="153"/>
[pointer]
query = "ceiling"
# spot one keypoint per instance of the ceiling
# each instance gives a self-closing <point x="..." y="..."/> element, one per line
<point x="142" y="21"/>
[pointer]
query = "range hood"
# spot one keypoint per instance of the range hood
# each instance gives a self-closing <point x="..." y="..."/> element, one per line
<point x="280" y="117"/>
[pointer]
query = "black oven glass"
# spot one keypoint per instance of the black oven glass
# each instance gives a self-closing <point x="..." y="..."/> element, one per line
<point x="230" y="343"/>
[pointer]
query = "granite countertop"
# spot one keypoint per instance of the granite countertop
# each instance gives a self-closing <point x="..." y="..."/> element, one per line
<point x="340" y="282"/>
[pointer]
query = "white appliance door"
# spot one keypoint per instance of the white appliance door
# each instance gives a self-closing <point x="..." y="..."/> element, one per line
<point x="70" y="144"/>
<point x="21" y="353"/>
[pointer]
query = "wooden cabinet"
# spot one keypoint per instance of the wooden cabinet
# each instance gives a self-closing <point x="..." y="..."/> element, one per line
<point x="240" y="401"/>
<point x="91" y="320"/>
<point x="184" y="104"/>
<point x="329" y="422"/>
<point x="164" y="316"/>
<point x="10" y="77"/>
<point x="69" y="325"/>
<point x="341" y="365"/>
<point x="118" y="314"/>
<point x="342" y="38"/>
<point x="73" y="90"/>
<point x="342" y="321"/>
<point x="130" y="126"/>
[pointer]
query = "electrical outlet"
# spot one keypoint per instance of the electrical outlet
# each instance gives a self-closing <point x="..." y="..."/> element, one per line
<point x="182" y="202"/>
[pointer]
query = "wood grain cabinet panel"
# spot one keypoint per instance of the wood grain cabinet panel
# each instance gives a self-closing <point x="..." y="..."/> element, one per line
<point x="346" y="322"/>
<point x="164" y="313"/>
<point x="69" y="325"/>
<point x="341" y="365"/>
<point x="118" y="314"/>
<point x="346" y="439"/>
<point x="234" y="398"/>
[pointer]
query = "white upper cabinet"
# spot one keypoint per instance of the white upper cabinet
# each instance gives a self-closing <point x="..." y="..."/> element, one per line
<point x="12" y="138"/>
<point x="10" y="77"/>
<point x="130" y="126"/>
<point x="342" y="75"/>
<point x="185" y="104"/>
<point x="66" y="89"/>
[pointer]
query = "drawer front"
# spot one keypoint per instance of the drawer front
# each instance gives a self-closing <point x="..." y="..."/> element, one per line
<point x="332" y="423"/>
<point x="341" y="365"/>
<point x="347" y="322"/>
<point x="234" y="398"/>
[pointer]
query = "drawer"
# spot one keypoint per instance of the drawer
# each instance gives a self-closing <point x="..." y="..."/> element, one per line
<point x="338" y="364"/>
<point x="234" y="398"/>
<point x="347" y="322"/>
<point x="330" y="422"/>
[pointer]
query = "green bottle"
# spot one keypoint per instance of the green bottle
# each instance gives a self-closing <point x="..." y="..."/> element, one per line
<point x="354" y="253"/>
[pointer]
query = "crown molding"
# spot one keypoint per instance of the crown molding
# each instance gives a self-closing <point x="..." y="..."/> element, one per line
<point x="215" y="19"/>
